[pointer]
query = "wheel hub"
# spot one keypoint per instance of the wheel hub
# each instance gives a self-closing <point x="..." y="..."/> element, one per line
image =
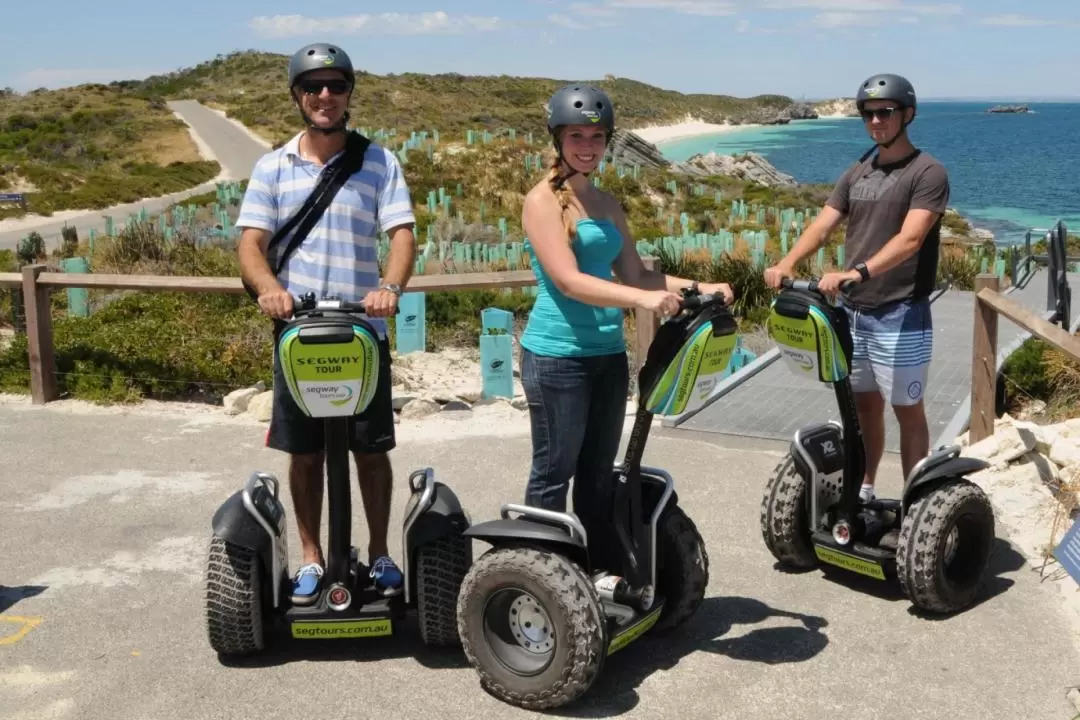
<point x="530" y="625"/>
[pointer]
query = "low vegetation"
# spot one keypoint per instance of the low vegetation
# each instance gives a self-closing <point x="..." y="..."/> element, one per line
<point x="1040" y="382"/>
<point x="172" y="345"/>
<point x="252" y="87"/>
<point x="91" y="147"/>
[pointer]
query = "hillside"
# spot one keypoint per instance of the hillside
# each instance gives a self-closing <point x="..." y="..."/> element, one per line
<point x="251" y="86"/>
<point x="93" y="146"/>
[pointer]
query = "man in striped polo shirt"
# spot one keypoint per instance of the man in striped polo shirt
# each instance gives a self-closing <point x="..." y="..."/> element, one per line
<point x="337" y="259"/>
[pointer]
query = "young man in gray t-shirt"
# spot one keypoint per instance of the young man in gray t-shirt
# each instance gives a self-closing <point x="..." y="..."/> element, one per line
<point x="893" y="203"/>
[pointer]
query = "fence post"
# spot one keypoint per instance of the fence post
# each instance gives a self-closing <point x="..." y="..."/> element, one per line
<point x="983" y="363"/>
<point x="646" y="323"/>
<point x="39" y="336"/>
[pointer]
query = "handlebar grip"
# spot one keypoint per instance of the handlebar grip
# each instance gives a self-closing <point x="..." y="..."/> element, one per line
<point x="695" y="301"/>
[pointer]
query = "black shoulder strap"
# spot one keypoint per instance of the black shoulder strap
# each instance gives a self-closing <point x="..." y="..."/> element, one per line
<point x="333" y="178"/>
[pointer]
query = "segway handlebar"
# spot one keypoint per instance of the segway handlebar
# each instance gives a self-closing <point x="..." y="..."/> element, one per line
<point x="693" y="302"/>
<point x="307" y="303"/>
<point x="811" y="285"/>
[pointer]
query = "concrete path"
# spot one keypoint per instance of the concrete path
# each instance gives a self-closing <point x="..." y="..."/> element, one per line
<point x="774" y="403"/>
<point x="231" y="146"/>
<point x="105" y="522"/>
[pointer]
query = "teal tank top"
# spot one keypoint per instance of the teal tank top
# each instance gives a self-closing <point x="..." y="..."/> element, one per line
<point x="561" y="326"/>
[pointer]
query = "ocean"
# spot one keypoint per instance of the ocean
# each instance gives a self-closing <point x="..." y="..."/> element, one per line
<point x="1009" y="172"/>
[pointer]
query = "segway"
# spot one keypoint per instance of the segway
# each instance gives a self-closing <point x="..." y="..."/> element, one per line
<point x="330" y="358"/>
<point x="936" y="540"/>
<point x="540" y="611"/>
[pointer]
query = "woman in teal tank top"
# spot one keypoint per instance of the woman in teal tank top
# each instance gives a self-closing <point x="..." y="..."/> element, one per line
<point x="574" y="365"/>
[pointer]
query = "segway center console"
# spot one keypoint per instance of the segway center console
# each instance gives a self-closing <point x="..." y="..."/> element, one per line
<point x="541" y="610"/>
<point x="330" y="357"/>
<point x="936" y="539"/>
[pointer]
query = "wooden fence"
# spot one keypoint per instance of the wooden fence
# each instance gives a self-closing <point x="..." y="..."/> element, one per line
<point x="37" y="283"/>
<point x="989" y="303"/>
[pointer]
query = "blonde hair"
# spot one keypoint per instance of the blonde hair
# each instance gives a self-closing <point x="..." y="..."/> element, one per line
<point x="563" y="193"/>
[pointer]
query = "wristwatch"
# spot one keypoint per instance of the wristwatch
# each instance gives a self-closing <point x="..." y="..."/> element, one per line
<point x="864" y="272"/>
<point x="396" y="289"/>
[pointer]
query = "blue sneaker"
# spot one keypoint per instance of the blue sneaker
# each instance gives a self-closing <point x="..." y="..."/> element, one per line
<point x="386" y="574"/>
<point x="306" y="584"/>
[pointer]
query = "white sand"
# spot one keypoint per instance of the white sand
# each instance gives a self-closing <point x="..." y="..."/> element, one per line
<point x="691" y="127"/>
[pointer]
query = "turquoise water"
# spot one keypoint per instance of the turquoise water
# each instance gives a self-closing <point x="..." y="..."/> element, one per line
<point x="1009" y="173"/>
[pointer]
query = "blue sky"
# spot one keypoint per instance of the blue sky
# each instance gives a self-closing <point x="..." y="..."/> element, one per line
<point x="802" y="48"/>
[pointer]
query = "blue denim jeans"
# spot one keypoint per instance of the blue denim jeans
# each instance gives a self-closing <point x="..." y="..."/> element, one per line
<point x="577" y="406"/>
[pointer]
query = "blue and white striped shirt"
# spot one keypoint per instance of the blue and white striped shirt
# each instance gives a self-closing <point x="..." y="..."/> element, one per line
<point x="339" y="257"/>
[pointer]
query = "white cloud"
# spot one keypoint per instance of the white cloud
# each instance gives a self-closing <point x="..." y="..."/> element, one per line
<point x="592" y="9"/>
<point x="427" y="23"/>
<point x="567" y="22"/>
<point x="1013" y="20"/>
<point x="686" y="7"/>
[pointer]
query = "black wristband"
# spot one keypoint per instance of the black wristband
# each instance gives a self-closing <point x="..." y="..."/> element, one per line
<point x="864" y="272"/>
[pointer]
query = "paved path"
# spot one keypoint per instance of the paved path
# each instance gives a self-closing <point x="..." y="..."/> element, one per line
<point x="106" y="516"/>
<point x="233" y="148"/>
<point x="774" y="403"/>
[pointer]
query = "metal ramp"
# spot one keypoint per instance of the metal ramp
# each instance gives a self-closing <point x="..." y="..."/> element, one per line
<point x="765" y="400"/>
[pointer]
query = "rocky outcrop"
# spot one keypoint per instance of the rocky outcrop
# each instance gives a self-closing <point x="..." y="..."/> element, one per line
<point x="628" y="148"/>
<point x="747" y="166"/>
<point x="838" y="107"/>
<point x="1009" y="109"/>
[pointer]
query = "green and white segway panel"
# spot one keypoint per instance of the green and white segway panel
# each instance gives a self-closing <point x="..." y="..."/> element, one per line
<point x="331" y="364"/>
<point x="691" y="357"/>
<point x="803" y="329"/>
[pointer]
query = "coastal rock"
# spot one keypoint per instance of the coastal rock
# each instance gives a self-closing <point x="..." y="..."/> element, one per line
<point x="838" y="107"/>
<point x="1009" y="109"/>
<point x="629" y="148"/>
<point x="747" y="166"/>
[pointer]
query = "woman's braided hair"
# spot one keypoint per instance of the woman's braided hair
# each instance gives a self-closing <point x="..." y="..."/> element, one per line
<point x="563" y="192"/>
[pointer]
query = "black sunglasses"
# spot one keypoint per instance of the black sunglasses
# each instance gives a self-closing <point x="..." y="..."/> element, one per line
<point x="883" y="114"/>
<point x="315" y="87"/>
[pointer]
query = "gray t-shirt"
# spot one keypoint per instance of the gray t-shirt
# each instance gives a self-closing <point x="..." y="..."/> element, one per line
<point x="876" y="199"/>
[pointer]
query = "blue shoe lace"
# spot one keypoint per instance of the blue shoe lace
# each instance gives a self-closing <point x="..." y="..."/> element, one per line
<point x="385" y="572"/>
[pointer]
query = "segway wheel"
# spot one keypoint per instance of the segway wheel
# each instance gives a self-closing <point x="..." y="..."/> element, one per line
<point x="784" y="513"/>
<point x="944" y="548"/>
<point x="440" y="569"/>
<point x="234" y="599"/>
<point x="530" y="624"/>
<point x="683" y="572"/>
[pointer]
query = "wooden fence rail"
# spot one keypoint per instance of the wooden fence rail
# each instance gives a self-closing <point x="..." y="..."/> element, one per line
<point x="37" y="282"/>
<point x="989" y="303"/>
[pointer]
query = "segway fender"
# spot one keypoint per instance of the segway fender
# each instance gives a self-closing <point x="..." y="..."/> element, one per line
<point x="937" y="474"/>
<point x="444" y="517"/>
<point x="232" y="522"/>
<point x="520" y="531"/>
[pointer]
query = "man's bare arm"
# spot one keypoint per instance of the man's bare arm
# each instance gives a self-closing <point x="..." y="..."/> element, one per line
<point x="254" y="267"/>
<point x="402" y="257"/>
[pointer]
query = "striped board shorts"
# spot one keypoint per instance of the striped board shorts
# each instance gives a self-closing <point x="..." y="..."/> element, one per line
<point x="893" y="346"/>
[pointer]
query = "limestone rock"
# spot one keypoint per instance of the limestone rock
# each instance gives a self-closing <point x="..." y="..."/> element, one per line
<point x="260" y="406"/>
<point x="419" y="408"/>
<point x="1008" y="443"/>
<point x="1065" y="450"/>
<point x="237" y="401"/>
<point x="455" y="406"/>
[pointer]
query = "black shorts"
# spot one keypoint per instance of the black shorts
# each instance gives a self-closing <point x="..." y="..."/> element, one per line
<point x="372" y="431"/>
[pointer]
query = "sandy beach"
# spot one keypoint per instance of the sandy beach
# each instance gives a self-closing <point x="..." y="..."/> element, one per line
<point x="691" y="127"/>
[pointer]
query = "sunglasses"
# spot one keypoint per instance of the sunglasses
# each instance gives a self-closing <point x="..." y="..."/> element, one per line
<point x="315" y="87"/>
<point x="882" y="114"/>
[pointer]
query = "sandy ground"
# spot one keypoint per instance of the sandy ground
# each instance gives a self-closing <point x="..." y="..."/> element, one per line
<point x="692" y="127"/>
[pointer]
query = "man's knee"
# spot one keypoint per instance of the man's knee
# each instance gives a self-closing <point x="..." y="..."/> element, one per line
<point x="306" y="466"/>
<point x="372" y="464"/>
<point x="912" y="416"/>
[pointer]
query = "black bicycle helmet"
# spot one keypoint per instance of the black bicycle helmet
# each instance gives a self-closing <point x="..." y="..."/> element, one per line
<point x="580" y="105"/>
<point x="888" y="86"/>
<point x="321" y="56"/>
